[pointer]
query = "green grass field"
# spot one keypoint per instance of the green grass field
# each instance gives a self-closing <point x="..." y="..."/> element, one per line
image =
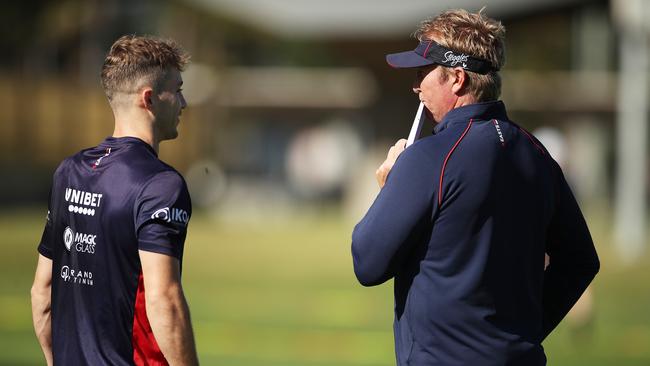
<point x="284" y="294"/>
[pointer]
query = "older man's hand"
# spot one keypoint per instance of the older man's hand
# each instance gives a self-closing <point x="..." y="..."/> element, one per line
<point x="382" y="172"/>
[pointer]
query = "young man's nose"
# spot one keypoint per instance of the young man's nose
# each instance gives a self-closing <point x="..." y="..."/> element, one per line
<point x="183" y="102"/>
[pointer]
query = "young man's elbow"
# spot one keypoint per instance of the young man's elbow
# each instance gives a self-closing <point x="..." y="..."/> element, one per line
<point x="39" y="294"/>
<point x="164" y="299"/>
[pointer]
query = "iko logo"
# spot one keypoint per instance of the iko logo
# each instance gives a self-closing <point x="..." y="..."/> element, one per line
<point x="83" y="243"/>
<point x="76" y="277"/>
<point x="456" y="59"/>
<point x="79" y="199"/>
<point x="173" y="214"/>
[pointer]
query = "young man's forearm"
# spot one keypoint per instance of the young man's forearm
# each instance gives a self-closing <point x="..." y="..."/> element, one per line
<point x="42" y="305"/>
<point x="169" y="317"/>
<point x="42" y="318"/>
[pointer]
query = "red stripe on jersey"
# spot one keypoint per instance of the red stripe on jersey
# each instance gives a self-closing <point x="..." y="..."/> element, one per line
<point x="145" y="348"/>
<point x="444" y="164"/>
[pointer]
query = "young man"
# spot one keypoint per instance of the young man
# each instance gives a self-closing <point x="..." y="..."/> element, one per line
<point x="464" y="218"/>
<point x="116" y="227"/>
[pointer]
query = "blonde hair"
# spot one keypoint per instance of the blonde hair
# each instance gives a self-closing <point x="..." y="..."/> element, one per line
<point x="476" y="35"/>
<point x="135" y="61"/>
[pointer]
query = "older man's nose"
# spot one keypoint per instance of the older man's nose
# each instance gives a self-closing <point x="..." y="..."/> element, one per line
<point x="416" y="85"/>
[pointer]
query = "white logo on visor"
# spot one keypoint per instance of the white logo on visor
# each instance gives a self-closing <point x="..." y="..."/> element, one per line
<point x="456" y="59"/>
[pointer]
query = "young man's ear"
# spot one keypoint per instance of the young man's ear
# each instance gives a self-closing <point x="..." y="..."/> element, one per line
<point x="146" y="98"/>
<point x="459" y="77"/>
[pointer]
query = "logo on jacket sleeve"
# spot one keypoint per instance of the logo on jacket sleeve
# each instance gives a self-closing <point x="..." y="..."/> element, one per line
<point x="173" y="214"/>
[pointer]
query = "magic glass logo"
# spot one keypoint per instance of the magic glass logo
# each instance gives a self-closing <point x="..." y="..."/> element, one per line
<point x="82" y="202"/>
<point x="173" y="214"/>
<point x="80" y="242"/>
<point x="77" y="277"/>
<point x="454" y="59"/>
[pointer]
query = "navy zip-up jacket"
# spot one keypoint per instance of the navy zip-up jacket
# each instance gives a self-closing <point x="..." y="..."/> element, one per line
<point x="462" y="224"/>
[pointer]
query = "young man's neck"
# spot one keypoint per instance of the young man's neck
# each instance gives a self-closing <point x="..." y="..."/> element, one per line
<point x="136" y="128"/>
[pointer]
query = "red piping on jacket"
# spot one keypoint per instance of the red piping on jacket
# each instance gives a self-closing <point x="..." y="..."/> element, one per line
<point x="532" y="140"/>
<point x="444" y="164"/>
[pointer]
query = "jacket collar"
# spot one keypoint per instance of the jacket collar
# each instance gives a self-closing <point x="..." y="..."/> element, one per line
<point x="479" y="111"/>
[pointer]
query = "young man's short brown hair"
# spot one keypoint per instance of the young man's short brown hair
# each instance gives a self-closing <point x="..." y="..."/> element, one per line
<point x="473" y="34"/>
<point x="136" y="61"/>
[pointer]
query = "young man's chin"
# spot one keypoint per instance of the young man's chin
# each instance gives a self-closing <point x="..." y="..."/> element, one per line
<point x="170" y="135"/>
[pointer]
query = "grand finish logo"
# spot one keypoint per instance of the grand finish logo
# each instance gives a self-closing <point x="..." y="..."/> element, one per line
<point x="77" y="277"/>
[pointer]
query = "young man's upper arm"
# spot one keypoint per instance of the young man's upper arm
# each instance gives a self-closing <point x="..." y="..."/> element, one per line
<point x="43" y="275"/>
<point x="160" y="272"/>
<point x="46" y="245"/>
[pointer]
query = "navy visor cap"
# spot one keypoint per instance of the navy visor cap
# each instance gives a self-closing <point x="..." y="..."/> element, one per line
<point x="429" y="53"/>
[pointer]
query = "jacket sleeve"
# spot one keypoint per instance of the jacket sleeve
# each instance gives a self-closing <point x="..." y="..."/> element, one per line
<point x="383" y="237"/>
<point x="573" y="259"/>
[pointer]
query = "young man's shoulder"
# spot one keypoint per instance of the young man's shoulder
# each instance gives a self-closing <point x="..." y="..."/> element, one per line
<point x="152" y="170"/>
<point x="159" y="170"/>
<point x="136" y="164"/>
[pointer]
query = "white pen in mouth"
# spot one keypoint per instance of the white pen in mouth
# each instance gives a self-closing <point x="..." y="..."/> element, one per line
<point x="416" y="127"/>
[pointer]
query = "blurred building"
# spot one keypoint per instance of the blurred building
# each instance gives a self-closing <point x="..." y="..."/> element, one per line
<point x="264" y="72"/>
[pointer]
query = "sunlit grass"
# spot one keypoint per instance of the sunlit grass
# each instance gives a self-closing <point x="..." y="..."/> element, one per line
<point x="284" y="293"/>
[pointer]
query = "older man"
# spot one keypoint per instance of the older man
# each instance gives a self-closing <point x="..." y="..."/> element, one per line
<point x="464" y="216"/>
<point x="116" y="226"/>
